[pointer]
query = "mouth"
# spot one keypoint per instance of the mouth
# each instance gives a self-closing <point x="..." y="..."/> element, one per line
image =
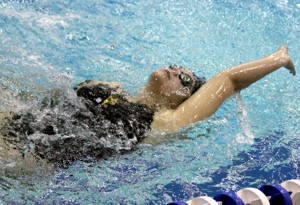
<point x="168" y="74"/>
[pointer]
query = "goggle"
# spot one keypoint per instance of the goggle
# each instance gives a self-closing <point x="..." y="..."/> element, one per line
<point x="185" y="79"/>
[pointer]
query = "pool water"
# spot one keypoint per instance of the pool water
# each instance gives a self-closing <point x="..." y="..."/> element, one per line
<point x="253" y="139"/>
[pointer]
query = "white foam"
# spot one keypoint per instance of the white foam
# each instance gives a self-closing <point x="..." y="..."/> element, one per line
<point x="50" y="21"/>
<point x="247" y="136"/>
<point x="42" y="19"/>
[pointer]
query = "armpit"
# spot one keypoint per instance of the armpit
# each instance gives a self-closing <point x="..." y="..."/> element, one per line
<point x="164" y="121"/>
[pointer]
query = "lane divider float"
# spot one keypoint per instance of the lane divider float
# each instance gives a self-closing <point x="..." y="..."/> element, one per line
<point x="286" y="193"/>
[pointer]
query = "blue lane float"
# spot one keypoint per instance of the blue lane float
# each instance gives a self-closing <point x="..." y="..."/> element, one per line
<point x="229" y="198"/>
<point x="278" y="195"/>
<point x="286" y="193"/>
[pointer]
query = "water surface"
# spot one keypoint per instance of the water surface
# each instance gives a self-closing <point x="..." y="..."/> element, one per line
<point x="253" y="139"/>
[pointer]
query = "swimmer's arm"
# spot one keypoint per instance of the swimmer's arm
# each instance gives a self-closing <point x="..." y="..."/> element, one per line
<point x="212" y="94"/>
<point x="199" y="106"/>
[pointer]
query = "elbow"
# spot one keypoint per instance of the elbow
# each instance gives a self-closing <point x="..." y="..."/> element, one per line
<point x="239" y="85"/>
<point x="233" y="83"/>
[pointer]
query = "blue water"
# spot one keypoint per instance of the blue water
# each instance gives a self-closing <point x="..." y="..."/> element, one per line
<point x="252" y="140"/>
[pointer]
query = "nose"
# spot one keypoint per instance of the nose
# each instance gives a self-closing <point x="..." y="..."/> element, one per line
<point x="174" y="66"/>
<point x="175" y="70"/>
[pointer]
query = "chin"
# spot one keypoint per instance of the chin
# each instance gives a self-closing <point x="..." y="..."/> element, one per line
<point x="158" y="73"/>
<point x="157" y="78"/>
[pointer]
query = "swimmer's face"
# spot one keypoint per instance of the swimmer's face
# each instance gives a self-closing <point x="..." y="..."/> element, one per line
<point x="172" y="83"/>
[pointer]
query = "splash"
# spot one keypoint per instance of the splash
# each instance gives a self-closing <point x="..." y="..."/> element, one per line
<point x="246" y="136"/>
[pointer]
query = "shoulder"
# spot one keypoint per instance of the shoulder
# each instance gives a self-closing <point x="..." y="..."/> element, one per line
<point x="96" y="83"/>
<point x="108" y="100"/>
<point x="97" y="91"/>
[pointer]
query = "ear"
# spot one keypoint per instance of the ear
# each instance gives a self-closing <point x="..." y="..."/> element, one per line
<point x="187" y="91"/>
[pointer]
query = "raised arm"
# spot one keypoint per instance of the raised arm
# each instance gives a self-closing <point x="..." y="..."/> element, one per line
<point x="212" y="94"/>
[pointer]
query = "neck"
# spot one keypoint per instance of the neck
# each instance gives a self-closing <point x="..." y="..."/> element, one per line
<point x="152" y="100"/>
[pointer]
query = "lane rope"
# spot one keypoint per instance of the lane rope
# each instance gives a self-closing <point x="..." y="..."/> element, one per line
<point x="286" y="193"/>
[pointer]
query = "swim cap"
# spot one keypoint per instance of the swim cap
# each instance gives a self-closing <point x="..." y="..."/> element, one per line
<point x="199" y="81"/>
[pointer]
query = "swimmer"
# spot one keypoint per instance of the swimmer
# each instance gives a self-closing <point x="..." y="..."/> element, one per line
<point x="179" y="105"/>
<point x="107" y="120"/>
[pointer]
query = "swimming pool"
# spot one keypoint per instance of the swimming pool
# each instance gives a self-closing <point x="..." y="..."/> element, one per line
<point x="252" y="140"/>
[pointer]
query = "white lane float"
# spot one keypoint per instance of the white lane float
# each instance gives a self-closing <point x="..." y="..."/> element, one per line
<point x="286" y="193"/>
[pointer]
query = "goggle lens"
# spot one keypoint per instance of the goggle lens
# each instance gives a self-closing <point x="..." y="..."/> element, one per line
<point x="185" y="79"/>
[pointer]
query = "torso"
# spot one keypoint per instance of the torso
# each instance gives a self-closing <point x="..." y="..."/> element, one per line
<point x="88" y="131"/>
